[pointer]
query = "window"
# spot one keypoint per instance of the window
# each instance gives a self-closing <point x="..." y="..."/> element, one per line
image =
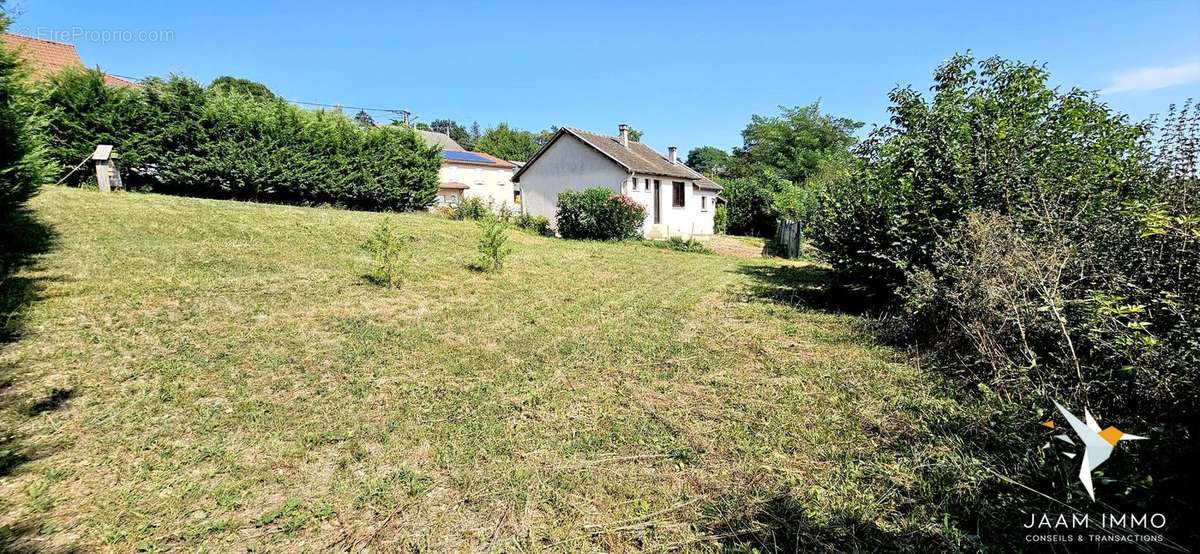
<point x="704" y="203"/>
<point x="635" y="184"/>
<point x="677" y="199"/>
<point x="516" y="197"/>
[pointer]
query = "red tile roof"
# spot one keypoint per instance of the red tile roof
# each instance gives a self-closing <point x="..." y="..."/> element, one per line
<point x="46" y="57"/>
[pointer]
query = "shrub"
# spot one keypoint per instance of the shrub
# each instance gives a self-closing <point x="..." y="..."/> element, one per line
<point x="391" y="253"/>
<point x="473" y="209"/>
<point x="748" y="209"/>
<point x="534" y="223"/>
<point x="680" y="245"/>
<point x="1041" y="251"/>
<point x="493" y="244"/>
<point x="23" y="162"/>
<point x="598" y="214"/>
<point x="720" y="220"/>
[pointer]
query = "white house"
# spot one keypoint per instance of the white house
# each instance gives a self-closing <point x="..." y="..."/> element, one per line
<point x="678" y="200"/>
<point x="472" y="175"/>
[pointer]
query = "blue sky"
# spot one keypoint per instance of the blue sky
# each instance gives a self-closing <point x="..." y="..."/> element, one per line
<point x="687" y="74"/>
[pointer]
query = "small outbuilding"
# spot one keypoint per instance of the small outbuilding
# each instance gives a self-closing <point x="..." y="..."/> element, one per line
<point x="108" y="175"/>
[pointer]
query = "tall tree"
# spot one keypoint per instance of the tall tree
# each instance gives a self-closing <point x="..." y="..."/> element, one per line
<point x="460" y="133"/>
<point x="508" y="143"/>
<point x="793" y="144"/>
<point x="709" y="160"/>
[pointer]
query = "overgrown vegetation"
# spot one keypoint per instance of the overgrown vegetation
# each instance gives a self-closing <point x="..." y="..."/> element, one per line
<point x="470" y="209"/>
<point x="1039" y="249"/>
<point x="680" y="245"/>
<point x="232" y="140"/>
<point x="784" y="162"/>
<point x="536" y="224"/>
<point x="598" y="214"/>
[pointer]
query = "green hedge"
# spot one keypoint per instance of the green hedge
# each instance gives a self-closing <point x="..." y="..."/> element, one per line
<point x="23" y="166"/>
<point x="179" y="137"/>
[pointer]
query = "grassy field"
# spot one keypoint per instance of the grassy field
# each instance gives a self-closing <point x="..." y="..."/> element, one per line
<point x="207" y="375"/>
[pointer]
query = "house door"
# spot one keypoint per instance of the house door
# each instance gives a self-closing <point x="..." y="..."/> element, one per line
<point x="657" y="202"/>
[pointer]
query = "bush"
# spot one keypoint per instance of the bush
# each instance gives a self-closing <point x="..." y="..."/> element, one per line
<point x="493" y="244"/>
<point x="1040" y="251"/>
<point x="23" y="162"/>
<point x="178" y="137"/>
<point x="534" y="223"/>
<point x="720" y="220"/>
<point x="391" y="253"/>
<point x="748" y="206"/>
<point x="470" y="209"/>
<point x="680" y="245"/>
<point x="598" y="214"/>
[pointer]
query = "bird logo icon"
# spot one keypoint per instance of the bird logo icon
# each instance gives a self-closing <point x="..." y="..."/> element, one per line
<point x="1098" y="444"/>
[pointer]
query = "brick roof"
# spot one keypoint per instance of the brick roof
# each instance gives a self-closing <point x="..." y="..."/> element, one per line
<point x="46" y="57"/>
<point x="637" y="158"/>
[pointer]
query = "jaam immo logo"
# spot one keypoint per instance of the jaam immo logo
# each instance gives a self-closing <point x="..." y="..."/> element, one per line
<point x="1098" y="444"/>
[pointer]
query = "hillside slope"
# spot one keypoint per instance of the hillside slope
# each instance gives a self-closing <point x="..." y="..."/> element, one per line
<point x="206" y="374"/>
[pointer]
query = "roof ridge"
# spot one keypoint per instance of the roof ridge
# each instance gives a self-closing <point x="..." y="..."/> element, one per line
<point x="39" y="39"/>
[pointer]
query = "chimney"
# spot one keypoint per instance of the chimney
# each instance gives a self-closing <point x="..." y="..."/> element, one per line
<point x="672" y="154"/>
<point x="624" y="131"/>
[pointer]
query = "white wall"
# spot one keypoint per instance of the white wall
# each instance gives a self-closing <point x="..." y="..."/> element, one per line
<point x="568" y="164"/>
<point x="492" y="184"/>
<point x="684" y="221"/>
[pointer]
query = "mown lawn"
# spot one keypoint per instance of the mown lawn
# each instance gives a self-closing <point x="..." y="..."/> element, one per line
<point x="193" y="374"/>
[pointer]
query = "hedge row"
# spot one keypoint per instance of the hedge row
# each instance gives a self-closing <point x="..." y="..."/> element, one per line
<point x="177" y="136"/>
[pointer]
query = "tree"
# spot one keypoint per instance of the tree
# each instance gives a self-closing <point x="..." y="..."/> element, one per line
<point x="463" y="136"/>
<point x="255" y="89"/>
<point x="508" y="143"/>
<point x="364" y="119"/>
<point x="23" y="166"/>
<point x="749" y="202"/>
<point x="634" y="135"/>
<point x="794" y="143"/>
<point x="709" y="160"/>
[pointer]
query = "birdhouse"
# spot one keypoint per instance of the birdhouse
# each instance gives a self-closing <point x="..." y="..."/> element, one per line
<point x="108" y="175"/>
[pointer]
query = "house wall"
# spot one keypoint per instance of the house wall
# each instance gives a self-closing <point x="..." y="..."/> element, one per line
<point x="687" y="221"/>
<point x="568" y="164"/>
<point x="492" y="184"/>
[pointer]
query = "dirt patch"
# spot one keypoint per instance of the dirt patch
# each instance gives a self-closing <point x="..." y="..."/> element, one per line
<point x="740" y="247"/>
